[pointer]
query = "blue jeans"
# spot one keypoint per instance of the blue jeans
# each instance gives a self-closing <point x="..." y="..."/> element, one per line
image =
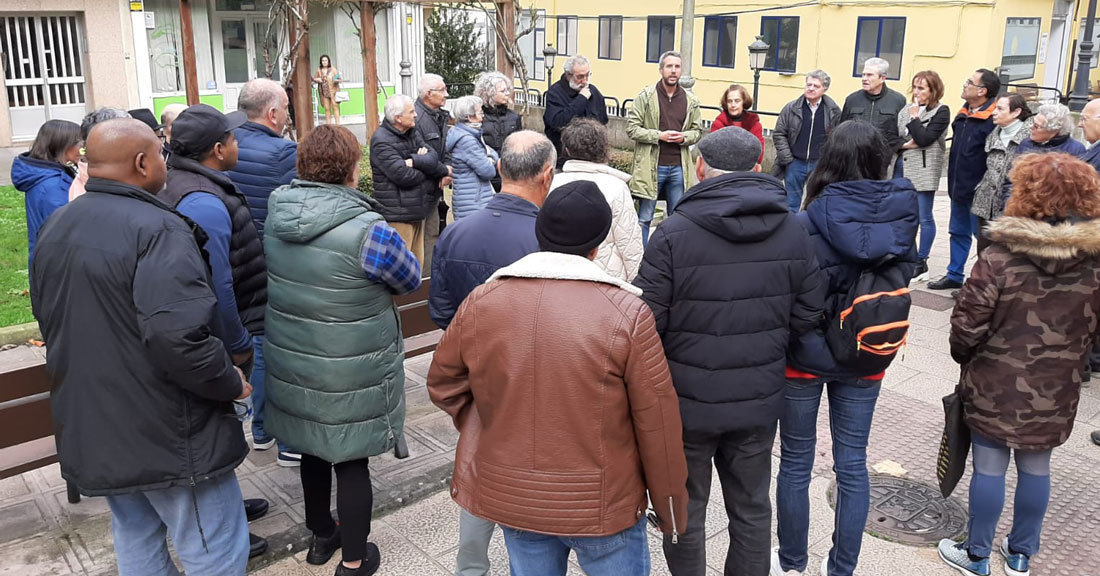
<point x="927" y="223"/>
<point x="212" y="539"/>
<point x="622" y="554"/>
<point x="987" y="497"/>
<point x="670" y="182"/>
<point x="963" y="228"/>
<point x="259" y="396"/>
<point x="899" y="167"/>
<point x="794" y="180"/>
<point x="851" y="409"/>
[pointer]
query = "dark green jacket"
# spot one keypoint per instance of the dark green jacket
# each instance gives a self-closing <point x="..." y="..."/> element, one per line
<point x="334" y="352"/>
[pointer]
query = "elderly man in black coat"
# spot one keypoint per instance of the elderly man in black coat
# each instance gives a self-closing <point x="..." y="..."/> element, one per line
<point x="573" y="96"/>
<point x="406" y="173"/>
<point x="731" y="277"/>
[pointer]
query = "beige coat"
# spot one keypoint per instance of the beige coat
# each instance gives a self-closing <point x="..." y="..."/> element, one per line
<point x="620" y="254"/>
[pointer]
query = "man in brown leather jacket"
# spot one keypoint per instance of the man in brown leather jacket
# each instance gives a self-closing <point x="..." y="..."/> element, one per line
<point x="557" y="382"/>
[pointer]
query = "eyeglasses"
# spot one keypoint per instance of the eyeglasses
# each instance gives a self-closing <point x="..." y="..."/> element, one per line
<point x="581" y="76"/>
<point x="970" y="82"/>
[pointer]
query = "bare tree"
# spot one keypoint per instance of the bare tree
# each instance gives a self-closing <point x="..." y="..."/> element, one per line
<point x="511" y="48"/>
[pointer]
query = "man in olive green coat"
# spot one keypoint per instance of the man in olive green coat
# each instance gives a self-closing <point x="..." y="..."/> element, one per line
<point x="664" y="122"/>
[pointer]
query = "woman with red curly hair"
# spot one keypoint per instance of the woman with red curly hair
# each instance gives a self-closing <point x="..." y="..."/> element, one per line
<point x="1022" y="327"/>
<point x="735" y="112"/>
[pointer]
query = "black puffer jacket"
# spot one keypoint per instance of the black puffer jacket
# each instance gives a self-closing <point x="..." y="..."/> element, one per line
<point x="731" y="277"/>
<point x="497" y="124"/>
<point x="141" y="389"/>
<point x="406" y="194"/>
<point x="246" y="248"/>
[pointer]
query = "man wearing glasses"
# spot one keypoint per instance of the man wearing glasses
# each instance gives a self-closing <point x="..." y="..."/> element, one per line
<point x="573" y="96"/>
<point x="431" y="122"/>
<point x="1090" y="125"/>
<point x="965" y="168"/>
<point x="800" y="132"/>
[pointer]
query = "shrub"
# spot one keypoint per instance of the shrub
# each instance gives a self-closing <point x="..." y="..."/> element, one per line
<point x="622" y="160"/>
<point x="366" y="179"/>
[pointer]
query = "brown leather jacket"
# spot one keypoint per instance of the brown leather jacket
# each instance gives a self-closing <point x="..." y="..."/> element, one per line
<point x="564" y="403"/>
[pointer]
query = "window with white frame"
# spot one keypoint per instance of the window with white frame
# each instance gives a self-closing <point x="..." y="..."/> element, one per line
<point x="567" y="35"/>
<point x="1021" y="45"/>
<point x="166" y="46"/>
<point x="531" y="45"/>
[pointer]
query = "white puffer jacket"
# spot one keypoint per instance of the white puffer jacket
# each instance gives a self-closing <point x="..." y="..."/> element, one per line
<point x="620" y="253"/>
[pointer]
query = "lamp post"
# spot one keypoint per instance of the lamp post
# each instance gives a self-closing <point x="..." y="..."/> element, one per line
<point x="548" y="54"/>
<point x="1080" y="95"/>
<point x="758" y="51"/>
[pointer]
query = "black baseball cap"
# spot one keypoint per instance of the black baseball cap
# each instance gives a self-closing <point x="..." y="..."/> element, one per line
<point x="199" y="127"/>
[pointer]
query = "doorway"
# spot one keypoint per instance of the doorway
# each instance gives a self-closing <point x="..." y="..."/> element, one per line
<point x="249" y="48"/>
<point x="43" y="60"/>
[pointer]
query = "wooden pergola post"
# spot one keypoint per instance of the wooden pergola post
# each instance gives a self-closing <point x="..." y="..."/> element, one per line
<point x="506" y="17"/>
<point x="303" y="83"/>
<point x="190" y="72"/>
<point x="370" y="65"/>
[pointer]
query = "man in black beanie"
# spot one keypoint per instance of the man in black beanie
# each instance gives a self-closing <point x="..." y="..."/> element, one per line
<point x="731" y="276"/>
<point x="585" y="427"/>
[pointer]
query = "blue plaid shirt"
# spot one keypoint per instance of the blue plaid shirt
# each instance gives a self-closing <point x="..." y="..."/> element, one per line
<point x="387" y="260"/>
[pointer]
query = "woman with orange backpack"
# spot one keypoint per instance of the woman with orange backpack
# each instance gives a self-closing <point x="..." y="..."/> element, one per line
<point x="863" y="230"/>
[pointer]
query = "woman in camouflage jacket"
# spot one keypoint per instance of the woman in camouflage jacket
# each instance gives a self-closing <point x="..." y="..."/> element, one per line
<point x="1022" y="327"/>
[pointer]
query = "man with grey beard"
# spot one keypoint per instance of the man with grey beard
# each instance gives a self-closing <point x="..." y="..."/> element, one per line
<point x="572" y="97"/>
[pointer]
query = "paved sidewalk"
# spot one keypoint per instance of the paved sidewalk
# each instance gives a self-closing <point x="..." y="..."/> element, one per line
<point x="40" y="533"/>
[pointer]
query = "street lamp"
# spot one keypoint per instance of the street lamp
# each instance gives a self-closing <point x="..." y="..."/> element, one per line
<point x="758" y="52"/>
<point x="1080" y="95"/>
<point x="548" y="54"/>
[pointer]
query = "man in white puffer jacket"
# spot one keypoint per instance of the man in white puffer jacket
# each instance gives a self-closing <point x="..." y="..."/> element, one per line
<point x="588" y="146"/>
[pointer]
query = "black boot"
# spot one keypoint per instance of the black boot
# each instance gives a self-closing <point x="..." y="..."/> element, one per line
<point x="256" y="545"/>
<point x="255" y="508"/>
<point x="367" y="568"/>
<point x="322" y="549"/>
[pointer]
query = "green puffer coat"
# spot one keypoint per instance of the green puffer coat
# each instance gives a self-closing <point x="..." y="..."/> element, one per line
<point x="334" y="352"/>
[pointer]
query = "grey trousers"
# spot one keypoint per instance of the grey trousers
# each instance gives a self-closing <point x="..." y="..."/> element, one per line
<point x="431" y="236"/>
<point x="474" y="535"/>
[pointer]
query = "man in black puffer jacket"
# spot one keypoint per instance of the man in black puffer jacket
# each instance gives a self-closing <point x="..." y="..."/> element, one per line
<point x="141" y="389"/>
<point x="731" y="278"/>
<point x="406" y="173"/>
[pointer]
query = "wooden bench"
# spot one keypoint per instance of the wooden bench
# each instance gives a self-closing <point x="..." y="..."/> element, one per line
<point x="26" y="427"/>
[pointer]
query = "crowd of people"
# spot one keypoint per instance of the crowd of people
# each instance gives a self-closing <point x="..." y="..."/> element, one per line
<point x="195" y="271"/>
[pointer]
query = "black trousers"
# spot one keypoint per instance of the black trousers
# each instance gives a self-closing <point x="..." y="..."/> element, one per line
<point x="354" y="501"/>
<point x="744" y="463"/>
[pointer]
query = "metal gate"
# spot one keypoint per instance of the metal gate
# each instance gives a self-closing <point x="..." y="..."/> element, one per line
<point x="43" y="60"/>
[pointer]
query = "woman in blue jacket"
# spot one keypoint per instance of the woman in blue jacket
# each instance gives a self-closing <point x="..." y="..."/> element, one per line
<point x="855" y="219"/>
<point x="474" y="162"/>
<point x="45" y="172"/>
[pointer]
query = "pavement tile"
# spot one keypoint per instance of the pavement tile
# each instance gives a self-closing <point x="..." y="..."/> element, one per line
<point x="13" y="487"/>
<point x="432" y="523"/>
<point x="272" y="524"/>
<point x="21" y="521"/>
<point x="439" y="429"/>
<point x="936" y="362"/>
<point x="39" y="556"/>
<point x="285" y="567"/>
<point x="93" y="543"/>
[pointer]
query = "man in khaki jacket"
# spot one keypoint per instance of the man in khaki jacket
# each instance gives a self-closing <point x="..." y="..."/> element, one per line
<point x="560" y="445"/>
<point x="664" y="122"/>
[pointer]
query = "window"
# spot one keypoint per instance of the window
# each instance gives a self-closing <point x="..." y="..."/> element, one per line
<point x="719" y="41"/>
<point x="660" y="37"/>
<point x="611" y="37"/>
<point x="880" y="38"/>
<point x="532" y="44"/>
<point x="567" y="35"/>
<point x="781" y="34"/>
<point x="1020" y="47"/>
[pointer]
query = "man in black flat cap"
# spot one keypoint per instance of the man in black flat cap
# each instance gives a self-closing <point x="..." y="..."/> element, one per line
<point x="203" y="146"/>
<point x="584" y="426"/>
<point x="741" y="274"/>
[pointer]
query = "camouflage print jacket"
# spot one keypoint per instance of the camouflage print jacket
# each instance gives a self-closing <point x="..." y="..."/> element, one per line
<point x="1022" y="327"/>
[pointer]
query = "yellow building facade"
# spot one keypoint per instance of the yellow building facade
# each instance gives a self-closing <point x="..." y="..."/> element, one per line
<point x="1035" y="41"/>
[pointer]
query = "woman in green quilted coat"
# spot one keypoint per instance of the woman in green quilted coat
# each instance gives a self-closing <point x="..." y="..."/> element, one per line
<point x="335" y="378"/>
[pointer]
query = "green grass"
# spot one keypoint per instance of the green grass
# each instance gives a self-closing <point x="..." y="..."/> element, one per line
<point x="15" y="300"/>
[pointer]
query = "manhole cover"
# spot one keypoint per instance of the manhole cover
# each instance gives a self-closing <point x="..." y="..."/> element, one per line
<point x="910" y="512"/>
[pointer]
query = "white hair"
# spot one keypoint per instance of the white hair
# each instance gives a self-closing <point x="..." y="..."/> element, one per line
<point x="1058" y="118"/>
<point x="427" y="83"/>
<point x="465" y="107"/>
<point x="395" y="106"/>
<point x="487" y="85"/>
<point x="573" y="61"/>
<point x="710" y="172"/>
<point x="877" y="64"/>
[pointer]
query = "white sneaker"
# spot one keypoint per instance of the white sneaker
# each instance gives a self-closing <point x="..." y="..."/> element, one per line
<point x="776" y="570"/>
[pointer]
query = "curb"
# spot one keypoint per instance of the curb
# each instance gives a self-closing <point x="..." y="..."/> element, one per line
<point x="19" y="333"/>
<point x="296" y="538"/>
